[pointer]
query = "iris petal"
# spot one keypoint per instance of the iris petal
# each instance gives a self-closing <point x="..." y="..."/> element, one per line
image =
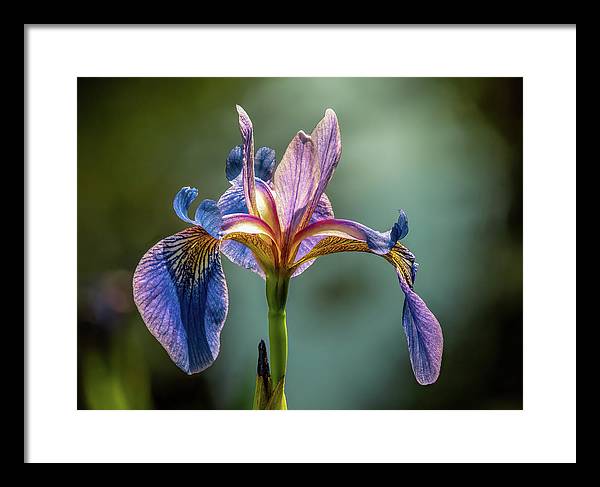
<point x="264" y="163"/>
<point x="233" y="164"/>
<point x="255" y="234"/>
<point x="326" y="136"/>
<point x="181" y="204"/>
<point x="400" y="228"/>
<point x="180" y="291"/>
<point x="241" y="255"/>
<point x="266" y="206"/>
<point x="242" y="222"/>
<point x="233" y="201"/>
<point x="422" y="329"/>
<point x="379" y="242"/>
<point x="295" y="182"/>
<point x="260" y="247"/>
<point x="208" y="216"/>
<point x="424" y="336"/>
<point x="248" y="159"/>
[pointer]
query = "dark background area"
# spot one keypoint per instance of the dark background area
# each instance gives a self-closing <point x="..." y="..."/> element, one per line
<point x="447" y="150"/>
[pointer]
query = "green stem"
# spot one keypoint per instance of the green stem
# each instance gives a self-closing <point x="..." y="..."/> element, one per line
<point x="277" y="289"/>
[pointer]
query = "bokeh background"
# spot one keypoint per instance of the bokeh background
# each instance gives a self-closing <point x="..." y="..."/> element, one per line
<point x="447" y="150"/>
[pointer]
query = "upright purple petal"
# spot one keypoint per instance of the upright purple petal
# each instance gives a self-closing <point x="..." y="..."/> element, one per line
<point x="295" y="182"/>
<point x="248" y="159"/>
<point x="181" y="294"/>
<point x="423" y="334"/>
<point x="327" y="138"/>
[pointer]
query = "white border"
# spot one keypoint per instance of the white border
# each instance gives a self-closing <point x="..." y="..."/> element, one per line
<point x="544" y="431"/>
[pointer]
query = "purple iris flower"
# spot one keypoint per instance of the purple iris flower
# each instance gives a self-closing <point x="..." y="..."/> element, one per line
<point x="275" y="220"/>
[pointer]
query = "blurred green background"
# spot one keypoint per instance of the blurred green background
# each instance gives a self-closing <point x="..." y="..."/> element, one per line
<point x="447" y="150"/>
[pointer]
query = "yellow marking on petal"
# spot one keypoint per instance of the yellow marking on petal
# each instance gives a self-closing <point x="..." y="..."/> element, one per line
<point x="333" y="245"/>
<point x="333" y="228"/>
<point x="267" y="210"/>
<point x="301" y="236"/>
<point x="261" y="246"/>
<point x="247" y="227"/>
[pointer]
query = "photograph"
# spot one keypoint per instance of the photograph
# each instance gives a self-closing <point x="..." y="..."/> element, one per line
<point x="224" y="227"/>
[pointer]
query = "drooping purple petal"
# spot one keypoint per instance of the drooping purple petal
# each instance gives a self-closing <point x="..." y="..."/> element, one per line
<point x="295" y="182"/>
<point x="180" y="291"/>
<point x="248" y="159"/>
<point x="423" y="334"/>
<point x="422" y="329"/>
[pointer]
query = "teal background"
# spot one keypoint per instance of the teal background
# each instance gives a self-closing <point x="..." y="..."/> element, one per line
<point x="447" y="150"/>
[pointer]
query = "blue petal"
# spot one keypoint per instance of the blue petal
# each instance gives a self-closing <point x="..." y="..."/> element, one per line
<point x="181" y="293"/>
<point x="400" y="228"/>
<point x="382" y="243"/>
<point x="413" y="270"/>
<point x="241" y="255"/>
<point x="424" y="336"/>
<point x="209" y="217"/>
<point x="233" y="201"/>
<point x="183" y="200"/>
<point x="233" y="164"/>
<point x="264" y="163"/>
